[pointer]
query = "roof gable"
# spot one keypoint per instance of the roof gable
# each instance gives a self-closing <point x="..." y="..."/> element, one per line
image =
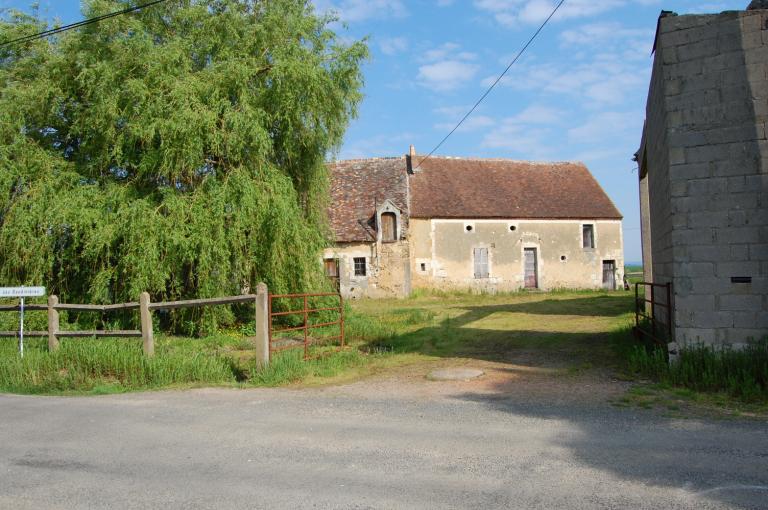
<point x="358" y="188"/>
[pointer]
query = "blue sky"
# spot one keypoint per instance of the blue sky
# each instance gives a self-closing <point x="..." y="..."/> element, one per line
<point x="578" y="93"/>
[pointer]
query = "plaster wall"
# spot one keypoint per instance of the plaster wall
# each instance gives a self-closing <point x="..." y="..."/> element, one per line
<point x="442" y="253"/>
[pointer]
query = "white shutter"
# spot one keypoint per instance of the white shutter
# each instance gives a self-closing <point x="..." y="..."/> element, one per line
<point x="481" y="262"/>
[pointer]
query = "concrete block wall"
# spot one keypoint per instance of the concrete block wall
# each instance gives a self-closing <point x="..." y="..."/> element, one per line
<point x="707" y="162"/>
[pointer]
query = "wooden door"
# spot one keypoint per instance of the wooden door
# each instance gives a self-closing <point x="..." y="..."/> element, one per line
<point x="332" y="271"/>
<point x="531" y="271"/>
<point x="388" y="227"/>
<point x="609" y="274"/>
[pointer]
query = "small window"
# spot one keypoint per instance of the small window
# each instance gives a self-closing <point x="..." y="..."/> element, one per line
<point x="512" y="228"/>
<point x="423" y="266"/>
<point x="563" y="258"/>
<point x="481" y="262"/>
<point x="388" y="227"/>
<point x="588" y="236"/>
<point x="468" y="228"/>
<point x="331" y="268"/>
<point x="360" y="266"/>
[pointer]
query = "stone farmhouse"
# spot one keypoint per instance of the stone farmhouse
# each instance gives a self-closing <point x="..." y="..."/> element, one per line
<point x="479" y="224"/>
<point x="703" y="173"/>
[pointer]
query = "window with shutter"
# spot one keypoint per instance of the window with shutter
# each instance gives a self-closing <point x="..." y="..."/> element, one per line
<point x="481" y="262"/>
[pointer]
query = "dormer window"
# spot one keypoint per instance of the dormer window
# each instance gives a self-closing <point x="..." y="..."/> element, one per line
<point x="388" y="227"/>
<point x="389" y="223"/>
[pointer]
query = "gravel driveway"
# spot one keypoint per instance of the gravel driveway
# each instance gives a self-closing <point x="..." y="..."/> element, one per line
<point x="377" y="444"/>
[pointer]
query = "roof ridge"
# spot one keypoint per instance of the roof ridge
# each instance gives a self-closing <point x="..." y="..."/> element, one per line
<point x="360" y="160"/>
<point x="507" y="160"/>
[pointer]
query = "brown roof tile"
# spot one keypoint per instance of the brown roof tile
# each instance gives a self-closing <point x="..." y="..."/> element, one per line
<point x="357" y="188"/>
<point x="493" y="188"/>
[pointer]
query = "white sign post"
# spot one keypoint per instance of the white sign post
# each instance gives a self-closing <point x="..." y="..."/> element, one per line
<point x="21" y="292"/>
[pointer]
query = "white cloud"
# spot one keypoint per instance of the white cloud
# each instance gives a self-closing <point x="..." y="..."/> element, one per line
<point x="446" y="68"/>
<point x="446" y="75"/>
<point x="596" y="34"/>
<point x="511" y="13"/>
<point x="533" y="133"/>
<point x="473" y="123"/>
<point x="361" y="10"/>
<point x="606" y="125"/>
<point x="604" y="79"/>
<point x="376" y="146"/>
<point x="393" y="45"/>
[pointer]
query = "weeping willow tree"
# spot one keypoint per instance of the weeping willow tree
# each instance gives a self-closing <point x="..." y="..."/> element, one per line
<point x="177" y="150"/>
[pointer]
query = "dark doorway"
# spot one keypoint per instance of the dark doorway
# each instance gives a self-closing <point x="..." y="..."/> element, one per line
<point x="531" y="271"/>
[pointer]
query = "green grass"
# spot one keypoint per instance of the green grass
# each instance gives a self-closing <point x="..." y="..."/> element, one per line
<point x="107" y="366"/>
<point x="571" y="330"/>
<point x="741" y="374"/>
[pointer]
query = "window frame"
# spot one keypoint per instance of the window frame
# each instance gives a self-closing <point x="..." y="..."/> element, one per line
<point x="358" y="263"/>
<point x="588" y="227"/>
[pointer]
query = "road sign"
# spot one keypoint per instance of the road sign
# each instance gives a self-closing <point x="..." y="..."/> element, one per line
<point x="22" y="291"/>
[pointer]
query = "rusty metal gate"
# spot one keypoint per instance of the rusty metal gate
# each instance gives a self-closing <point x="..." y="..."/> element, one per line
<point x="280" y="338"/>
<point x="653" y="317"/>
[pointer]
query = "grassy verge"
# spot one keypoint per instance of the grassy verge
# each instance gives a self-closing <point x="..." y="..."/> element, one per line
<point x="703" y="380"/>
<point x="566" y="330"/>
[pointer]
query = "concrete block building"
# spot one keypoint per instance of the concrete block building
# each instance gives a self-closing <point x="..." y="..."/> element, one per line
<point x="479" y="224"/>
<point x="704" y="174"/>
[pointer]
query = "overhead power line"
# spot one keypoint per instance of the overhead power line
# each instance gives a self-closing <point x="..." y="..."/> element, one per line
<point x="517" y="57"/>
<point x="71" y="26"/>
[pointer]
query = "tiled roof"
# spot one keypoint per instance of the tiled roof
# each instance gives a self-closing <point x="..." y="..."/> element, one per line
<point x="357" y="187"/>
<point x="494" y="188"/>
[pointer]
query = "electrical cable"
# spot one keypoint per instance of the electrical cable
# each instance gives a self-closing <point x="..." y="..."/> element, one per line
<point x="71" y="26"/>
<point x="517" y="57"/>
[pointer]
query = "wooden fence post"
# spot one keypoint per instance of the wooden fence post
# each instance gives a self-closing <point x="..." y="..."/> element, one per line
<point x="53" y="323"/>
<point x="262" y="324"/>
<point x="146" y="325"/>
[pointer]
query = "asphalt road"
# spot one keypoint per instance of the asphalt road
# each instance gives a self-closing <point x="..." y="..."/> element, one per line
<point x="335" y="449"/>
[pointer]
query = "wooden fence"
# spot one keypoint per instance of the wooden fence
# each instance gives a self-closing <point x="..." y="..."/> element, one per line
<point x="145" y="307"/>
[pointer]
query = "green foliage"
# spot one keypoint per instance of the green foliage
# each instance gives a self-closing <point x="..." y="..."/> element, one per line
<point x="290" y="367"/>
<point x="178" y="150"/>
<point x="105" y="366"/>
<point x="741" y="373"/>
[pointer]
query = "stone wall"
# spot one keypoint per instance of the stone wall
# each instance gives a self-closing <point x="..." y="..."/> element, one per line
<point x="387" y="269"/>
<point x="706" y="157"/>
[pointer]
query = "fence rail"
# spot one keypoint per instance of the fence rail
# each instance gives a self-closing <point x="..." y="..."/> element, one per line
<point x="648" y="324"/>
<point x="146" y="307"/>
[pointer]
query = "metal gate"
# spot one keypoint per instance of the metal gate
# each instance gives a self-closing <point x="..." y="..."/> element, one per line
<point x="609" y="274"/>
<point x="283" y="338"/>
<point x="653" y="317"/>
<point x="531" y="272"/>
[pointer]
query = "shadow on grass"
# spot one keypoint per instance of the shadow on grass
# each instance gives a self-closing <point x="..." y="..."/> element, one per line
<point x="547" y="332"/>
